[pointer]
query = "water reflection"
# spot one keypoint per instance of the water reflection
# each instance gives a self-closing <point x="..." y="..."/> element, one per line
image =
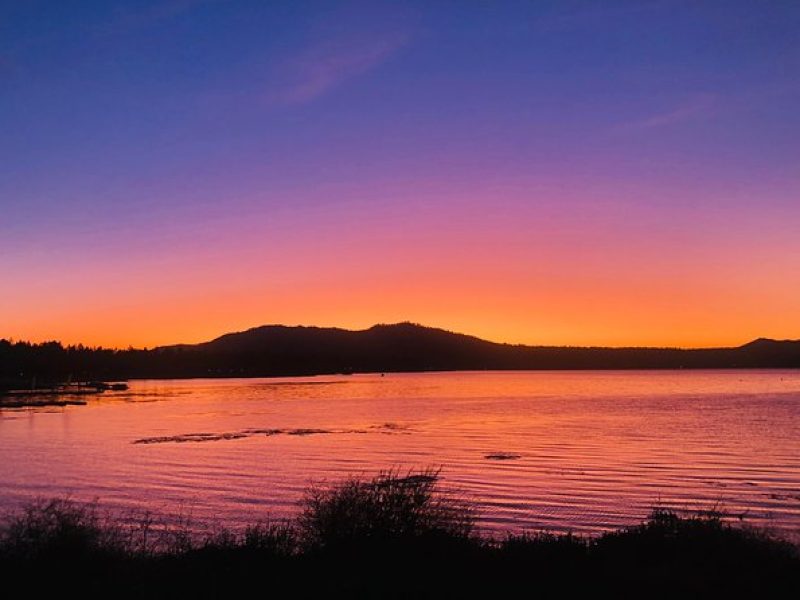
<point x="585" y="451"/>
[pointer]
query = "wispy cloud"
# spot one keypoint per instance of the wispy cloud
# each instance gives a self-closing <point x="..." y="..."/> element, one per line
<point x="695" y="106"/>
<point x="326" y="65"/>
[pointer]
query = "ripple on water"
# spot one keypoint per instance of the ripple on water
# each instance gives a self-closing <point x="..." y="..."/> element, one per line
<point x="580" y="451"/>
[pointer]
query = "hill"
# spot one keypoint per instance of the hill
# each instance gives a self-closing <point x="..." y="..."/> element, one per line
<point x="275" y="350"/>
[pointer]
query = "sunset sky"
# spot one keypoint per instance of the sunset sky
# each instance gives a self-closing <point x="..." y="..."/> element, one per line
<point x="552" y="172"/>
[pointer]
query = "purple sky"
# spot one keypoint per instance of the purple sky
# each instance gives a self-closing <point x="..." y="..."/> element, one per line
<point x="542" y="172"/>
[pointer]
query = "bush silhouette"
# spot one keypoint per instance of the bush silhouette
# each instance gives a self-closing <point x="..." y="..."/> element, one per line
<point x="389" y="507"/>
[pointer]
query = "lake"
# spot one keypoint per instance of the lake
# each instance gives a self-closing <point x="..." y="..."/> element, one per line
<point x="584" y="451"/>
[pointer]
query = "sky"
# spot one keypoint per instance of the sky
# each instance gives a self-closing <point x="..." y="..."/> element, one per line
<point x="551" y="172"/>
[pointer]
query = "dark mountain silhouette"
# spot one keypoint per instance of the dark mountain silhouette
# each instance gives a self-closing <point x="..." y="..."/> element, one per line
<point x="275" y="350"/>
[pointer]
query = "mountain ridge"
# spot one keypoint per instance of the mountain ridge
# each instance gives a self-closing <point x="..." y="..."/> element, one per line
<point x="409" y="325"/>
<point x="413" y="347"/>
<point x="281" y="350"/>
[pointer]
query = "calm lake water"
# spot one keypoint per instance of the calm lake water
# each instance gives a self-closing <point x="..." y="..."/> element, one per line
<point x="580" y="451"/>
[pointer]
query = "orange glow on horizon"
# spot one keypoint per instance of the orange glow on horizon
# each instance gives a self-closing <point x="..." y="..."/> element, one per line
<point x="568" y="315"/>
<point x="594" y="279"/>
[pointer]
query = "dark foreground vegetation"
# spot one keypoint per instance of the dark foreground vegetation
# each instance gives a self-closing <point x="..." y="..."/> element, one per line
<point x="391" y="537"/>
<point x="276" y="350"/>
